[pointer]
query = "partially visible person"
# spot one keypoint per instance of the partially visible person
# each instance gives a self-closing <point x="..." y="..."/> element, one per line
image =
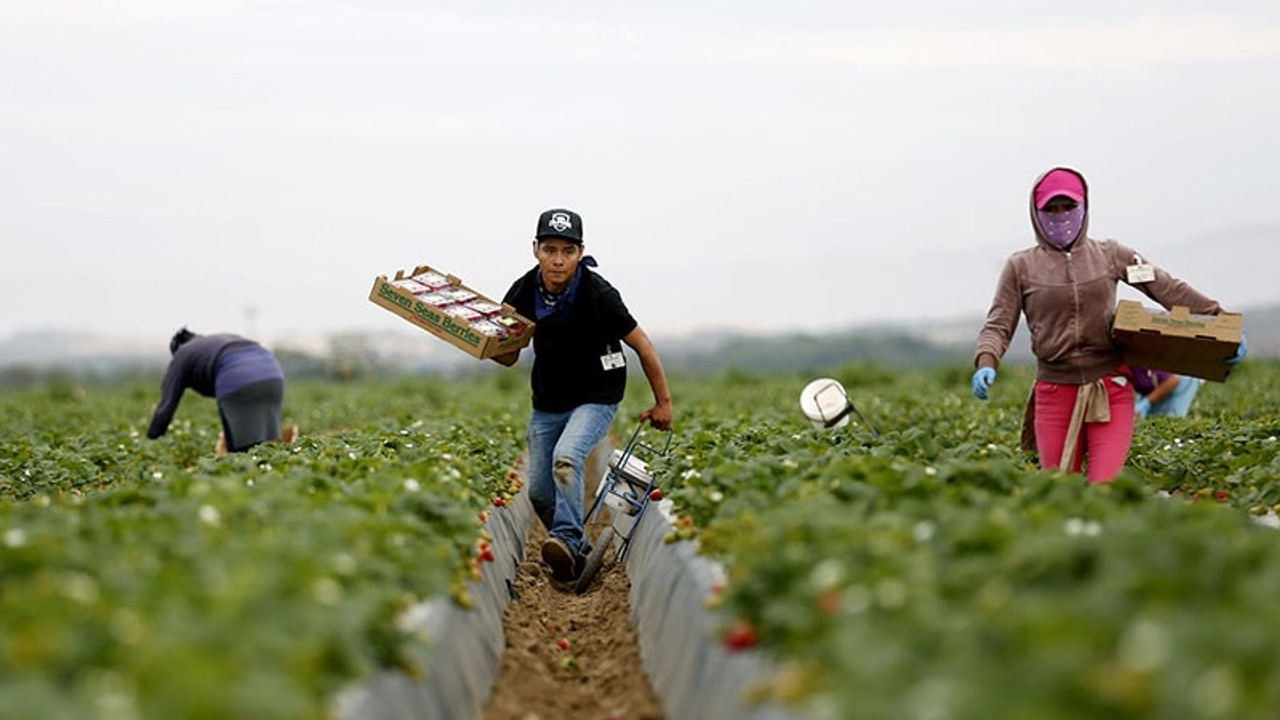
<point x="579" y="377"/>
<point x="1162" y="393"/>
<point x="1082" y="406"/>
<point x="242" y="375"/>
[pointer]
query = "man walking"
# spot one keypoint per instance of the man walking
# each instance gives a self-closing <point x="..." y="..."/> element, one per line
<point x="579" y="377"/>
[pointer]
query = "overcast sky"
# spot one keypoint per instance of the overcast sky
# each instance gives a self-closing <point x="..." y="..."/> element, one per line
<point x="251" y="166"/>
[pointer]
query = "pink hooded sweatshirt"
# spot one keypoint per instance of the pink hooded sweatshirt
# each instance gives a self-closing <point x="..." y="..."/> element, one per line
<point x="1069" y="298"/>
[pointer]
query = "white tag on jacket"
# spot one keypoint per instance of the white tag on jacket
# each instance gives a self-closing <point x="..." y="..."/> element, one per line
<point x="613" y="360"/>
<point x="1141" y="273"/>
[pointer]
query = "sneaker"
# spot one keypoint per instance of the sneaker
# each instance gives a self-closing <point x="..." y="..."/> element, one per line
<point x="564" y="567"/>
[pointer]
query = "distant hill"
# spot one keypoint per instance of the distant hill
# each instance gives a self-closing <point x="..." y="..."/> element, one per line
<point x="924" y="343"/>
<point x="1262" y="331"/>
<point x="903" y="345"/>
<point x="27" y="357"/>
<point x="77" y="352"/>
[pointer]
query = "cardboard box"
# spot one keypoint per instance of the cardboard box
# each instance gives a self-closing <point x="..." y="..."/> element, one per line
<point x="1177" y="341"/>
<point x="455" y="330"/>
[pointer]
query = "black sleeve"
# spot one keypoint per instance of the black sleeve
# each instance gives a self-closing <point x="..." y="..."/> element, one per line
<point x="171" y="388"/>
<point x="518" y="297"/>
<point x="512" y="293"/>
<point x="614" y="315"/>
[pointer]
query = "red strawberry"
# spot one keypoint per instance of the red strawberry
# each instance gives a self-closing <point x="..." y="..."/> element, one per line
<point x="740" y="636"/>
<point x="499" y="502"/>
<point x="1221" y="495"/>
<point x="562" y="643"/>
<point x="829" y="601"/>
<point x="655" y="494"/>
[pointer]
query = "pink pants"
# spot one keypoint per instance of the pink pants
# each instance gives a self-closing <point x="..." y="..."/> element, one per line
<point x="1105" y="444"/>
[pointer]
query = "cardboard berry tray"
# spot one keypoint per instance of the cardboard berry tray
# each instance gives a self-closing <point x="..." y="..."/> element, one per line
<point x="450" y="311"/>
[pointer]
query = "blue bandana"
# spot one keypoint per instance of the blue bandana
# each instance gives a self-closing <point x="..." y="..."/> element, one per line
<point x="553" y="307"/>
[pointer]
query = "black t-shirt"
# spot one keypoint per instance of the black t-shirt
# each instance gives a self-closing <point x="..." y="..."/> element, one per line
<point x="572" y="348"/>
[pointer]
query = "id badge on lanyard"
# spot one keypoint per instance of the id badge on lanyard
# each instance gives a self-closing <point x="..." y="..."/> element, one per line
<point x="613" y="360"/>
<point x="1140" y="271"/>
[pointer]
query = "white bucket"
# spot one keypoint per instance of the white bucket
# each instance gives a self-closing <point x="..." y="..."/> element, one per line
<point x="635" y="472"/>
<point x="633" y="479"/>
<point x="826" y="404"/>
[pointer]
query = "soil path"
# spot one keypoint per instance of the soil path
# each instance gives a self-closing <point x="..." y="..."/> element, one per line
<point x="568" y="656"/>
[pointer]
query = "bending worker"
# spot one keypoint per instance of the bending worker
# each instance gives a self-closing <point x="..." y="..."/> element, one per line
<point x="1162" y="393"/>
<point x="244" y="377"/>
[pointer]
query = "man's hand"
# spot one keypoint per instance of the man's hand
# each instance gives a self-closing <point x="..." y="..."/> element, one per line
<point x="659" y="416"/>
<point x="507" y="359"/>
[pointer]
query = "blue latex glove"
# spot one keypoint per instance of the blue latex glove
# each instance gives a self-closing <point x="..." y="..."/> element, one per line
<point x="1240" y="351"/>
<point x="1142" y="407"/>
<point x="982" y="380"/>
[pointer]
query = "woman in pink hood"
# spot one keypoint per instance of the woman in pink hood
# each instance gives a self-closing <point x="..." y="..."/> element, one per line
<point x="1065" y="285"/>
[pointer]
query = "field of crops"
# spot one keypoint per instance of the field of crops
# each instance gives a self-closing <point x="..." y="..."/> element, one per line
<point x="928" y="572"/>
<point x="934" y="573"/>
<point x="148" y="579"/>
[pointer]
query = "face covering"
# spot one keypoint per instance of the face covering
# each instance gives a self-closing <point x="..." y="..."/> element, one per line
<point x="1061" y="229"/>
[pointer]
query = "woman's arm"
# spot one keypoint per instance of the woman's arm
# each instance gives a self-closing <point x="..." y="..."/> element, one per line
<point x="1002" y="320"/>
<point x="171" y="389"/>
<point x="1164" y="288"/>
<point x="1164" y="389"/>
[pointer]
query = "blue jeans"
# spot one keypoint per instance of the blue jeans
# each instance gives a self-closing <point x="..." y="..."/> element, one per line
<point x="558" y="447"/>
<point x="1179" y="401"/>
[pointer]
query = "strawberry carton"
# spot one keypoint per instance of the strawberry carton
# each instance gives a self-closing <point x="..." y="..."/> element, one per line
<point x="435" y="299"/>
<point x="465" y="313"/>
<point x="486" y="308"/>
<point x="432" y="280"/>
<point x="412" y="286"/>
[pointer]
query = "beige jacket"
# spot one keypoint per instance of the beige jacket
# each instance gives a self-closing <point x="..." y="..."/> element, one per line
<point x="1069" y="299"/>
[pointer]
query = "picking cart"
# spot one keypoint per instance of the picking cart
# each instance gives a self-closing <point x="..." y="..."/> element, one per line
<point x="626" y="491"/>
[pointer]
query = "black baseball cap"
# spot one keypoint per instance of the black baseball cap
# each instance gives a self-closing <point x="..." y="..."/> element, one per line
<point x="560" y="223"/>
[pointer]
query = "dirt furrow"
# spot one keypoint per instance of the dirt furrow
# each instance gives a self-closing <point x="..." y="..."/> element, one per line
<point x="569" y="656"/>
